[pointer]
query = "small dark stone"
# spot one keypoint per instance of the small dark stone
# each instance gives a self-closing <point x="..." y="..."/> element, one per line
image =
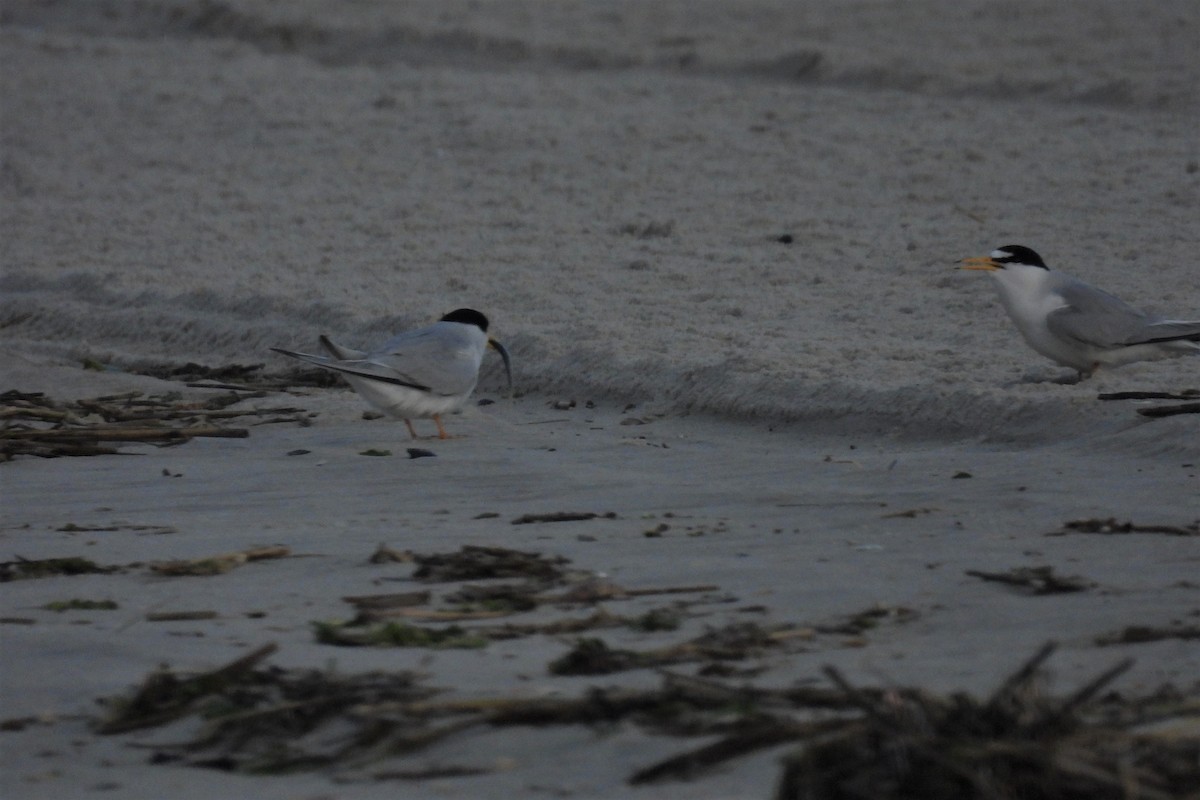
<point x="417" y="452"/>
<point x="785" y="239"/>
<point x="300" y="452"/>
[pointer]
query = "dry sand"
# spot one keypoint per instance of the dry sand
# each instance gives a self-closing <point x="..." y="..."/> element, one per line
<point x="609" y="182"/>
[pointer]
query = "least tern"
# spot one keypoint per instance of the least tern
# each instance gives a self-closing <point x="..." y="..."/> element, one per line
<point x="420" y="373"/>
<point x="1078" y="325"/>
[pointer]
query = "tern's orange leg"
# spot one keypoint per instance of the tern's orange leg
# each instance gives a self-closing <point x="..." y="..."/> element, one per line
<point x="411" y="430"/>
<point x="441" y="431"/>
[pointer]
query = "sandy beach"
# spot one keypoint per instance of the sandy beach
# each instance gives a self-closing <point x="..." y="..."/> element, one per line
<point x="719" y="241"/>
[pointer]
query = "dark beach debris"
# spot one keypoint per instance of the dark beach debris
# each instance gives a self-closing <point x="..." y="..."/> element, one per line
<point x="1170" y="411"/>
<point x="911" y="513"/>
<point x="1186" y="394"/>
<point x="853" y="742"/>
<point x="1019" y="743"/>
<point x="387" y="555"/>
<point x="385" y="602"/>
<point x="1141" y="634"/>
<point x="241" y="377"/>
<point x="216" y="565"/>
<point x="71" y="527"/>
<point x="37" y="425"/>
<point x="374" y="451"/>
<point x="395" y="627"/>
<point x="165" y="696"/>
<point x="1039" y="580"/>
<point x="867" y="619"/>
<point x="1112" y="526"/>
<point x="24" y="568"/>
<point x="473" y="562"/>
<point x="192" y="371"/>
<point x="591" y="656"/>
<point x="180" y="616"/>
<point x="431" y="773"/>
<point x="420" y="452"/>
<point x="562" y="516"/>
<point x="21" y="723"/>
<point x="595" y="589"/>
<point x="1192" y="407"/>
<point x="396" y="634"/>
<point x="77" y="604"/>
<point x="506" y="598"/>
<point x="540" y="581"/>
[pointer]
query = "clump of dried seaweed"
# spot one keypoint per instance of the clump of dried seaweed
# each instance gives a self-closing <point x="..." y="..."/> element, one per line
<point x="473" y="563"/>
<point x="37" y="425"/>
<point x="854" y="743"/>
<point x="26" y="568"/>
<point x="1019" y="743"/>
<point x="274" y="720"/>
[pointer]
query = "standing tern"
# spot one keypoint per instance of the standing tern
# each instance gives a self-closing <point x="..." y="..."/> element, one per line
<point x="420" y="373"/>
<point x="1078" y="325"/>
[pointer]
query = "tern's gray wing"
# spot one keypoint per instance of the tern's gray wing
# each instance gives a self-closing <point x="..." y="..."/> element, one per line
<point x="438" y="357"/>
<point x="1172" y="330"/>
<point x="339" y="352"/>
<point x="1097" y="318"/>
<point x="359" y="367"/>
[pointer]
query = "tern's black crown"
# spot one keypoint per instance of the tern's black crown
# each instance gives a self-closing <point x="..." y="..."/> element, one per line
<point x="467" y="316"/>
<point x="1019" y="254"/>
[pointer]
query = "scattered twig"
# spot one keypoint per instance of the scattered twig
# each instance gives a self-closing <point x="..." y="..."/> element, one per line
<point x="1140" y="634"/>
<point x="1040" y="580"/>
<point x="1170" y="411"/>
<point x="1112" y="526"/>
<point x="561" y="516"/>
<point x="1185" y="395"/>
<point x="215" y="565"/>
<point x="180" y="616"/>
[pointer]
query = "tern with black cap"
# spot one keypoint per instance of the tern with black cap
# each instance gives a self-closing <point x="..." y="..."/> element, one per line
<point x="418" y="374"/>
<point x="1078" y="325"/>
